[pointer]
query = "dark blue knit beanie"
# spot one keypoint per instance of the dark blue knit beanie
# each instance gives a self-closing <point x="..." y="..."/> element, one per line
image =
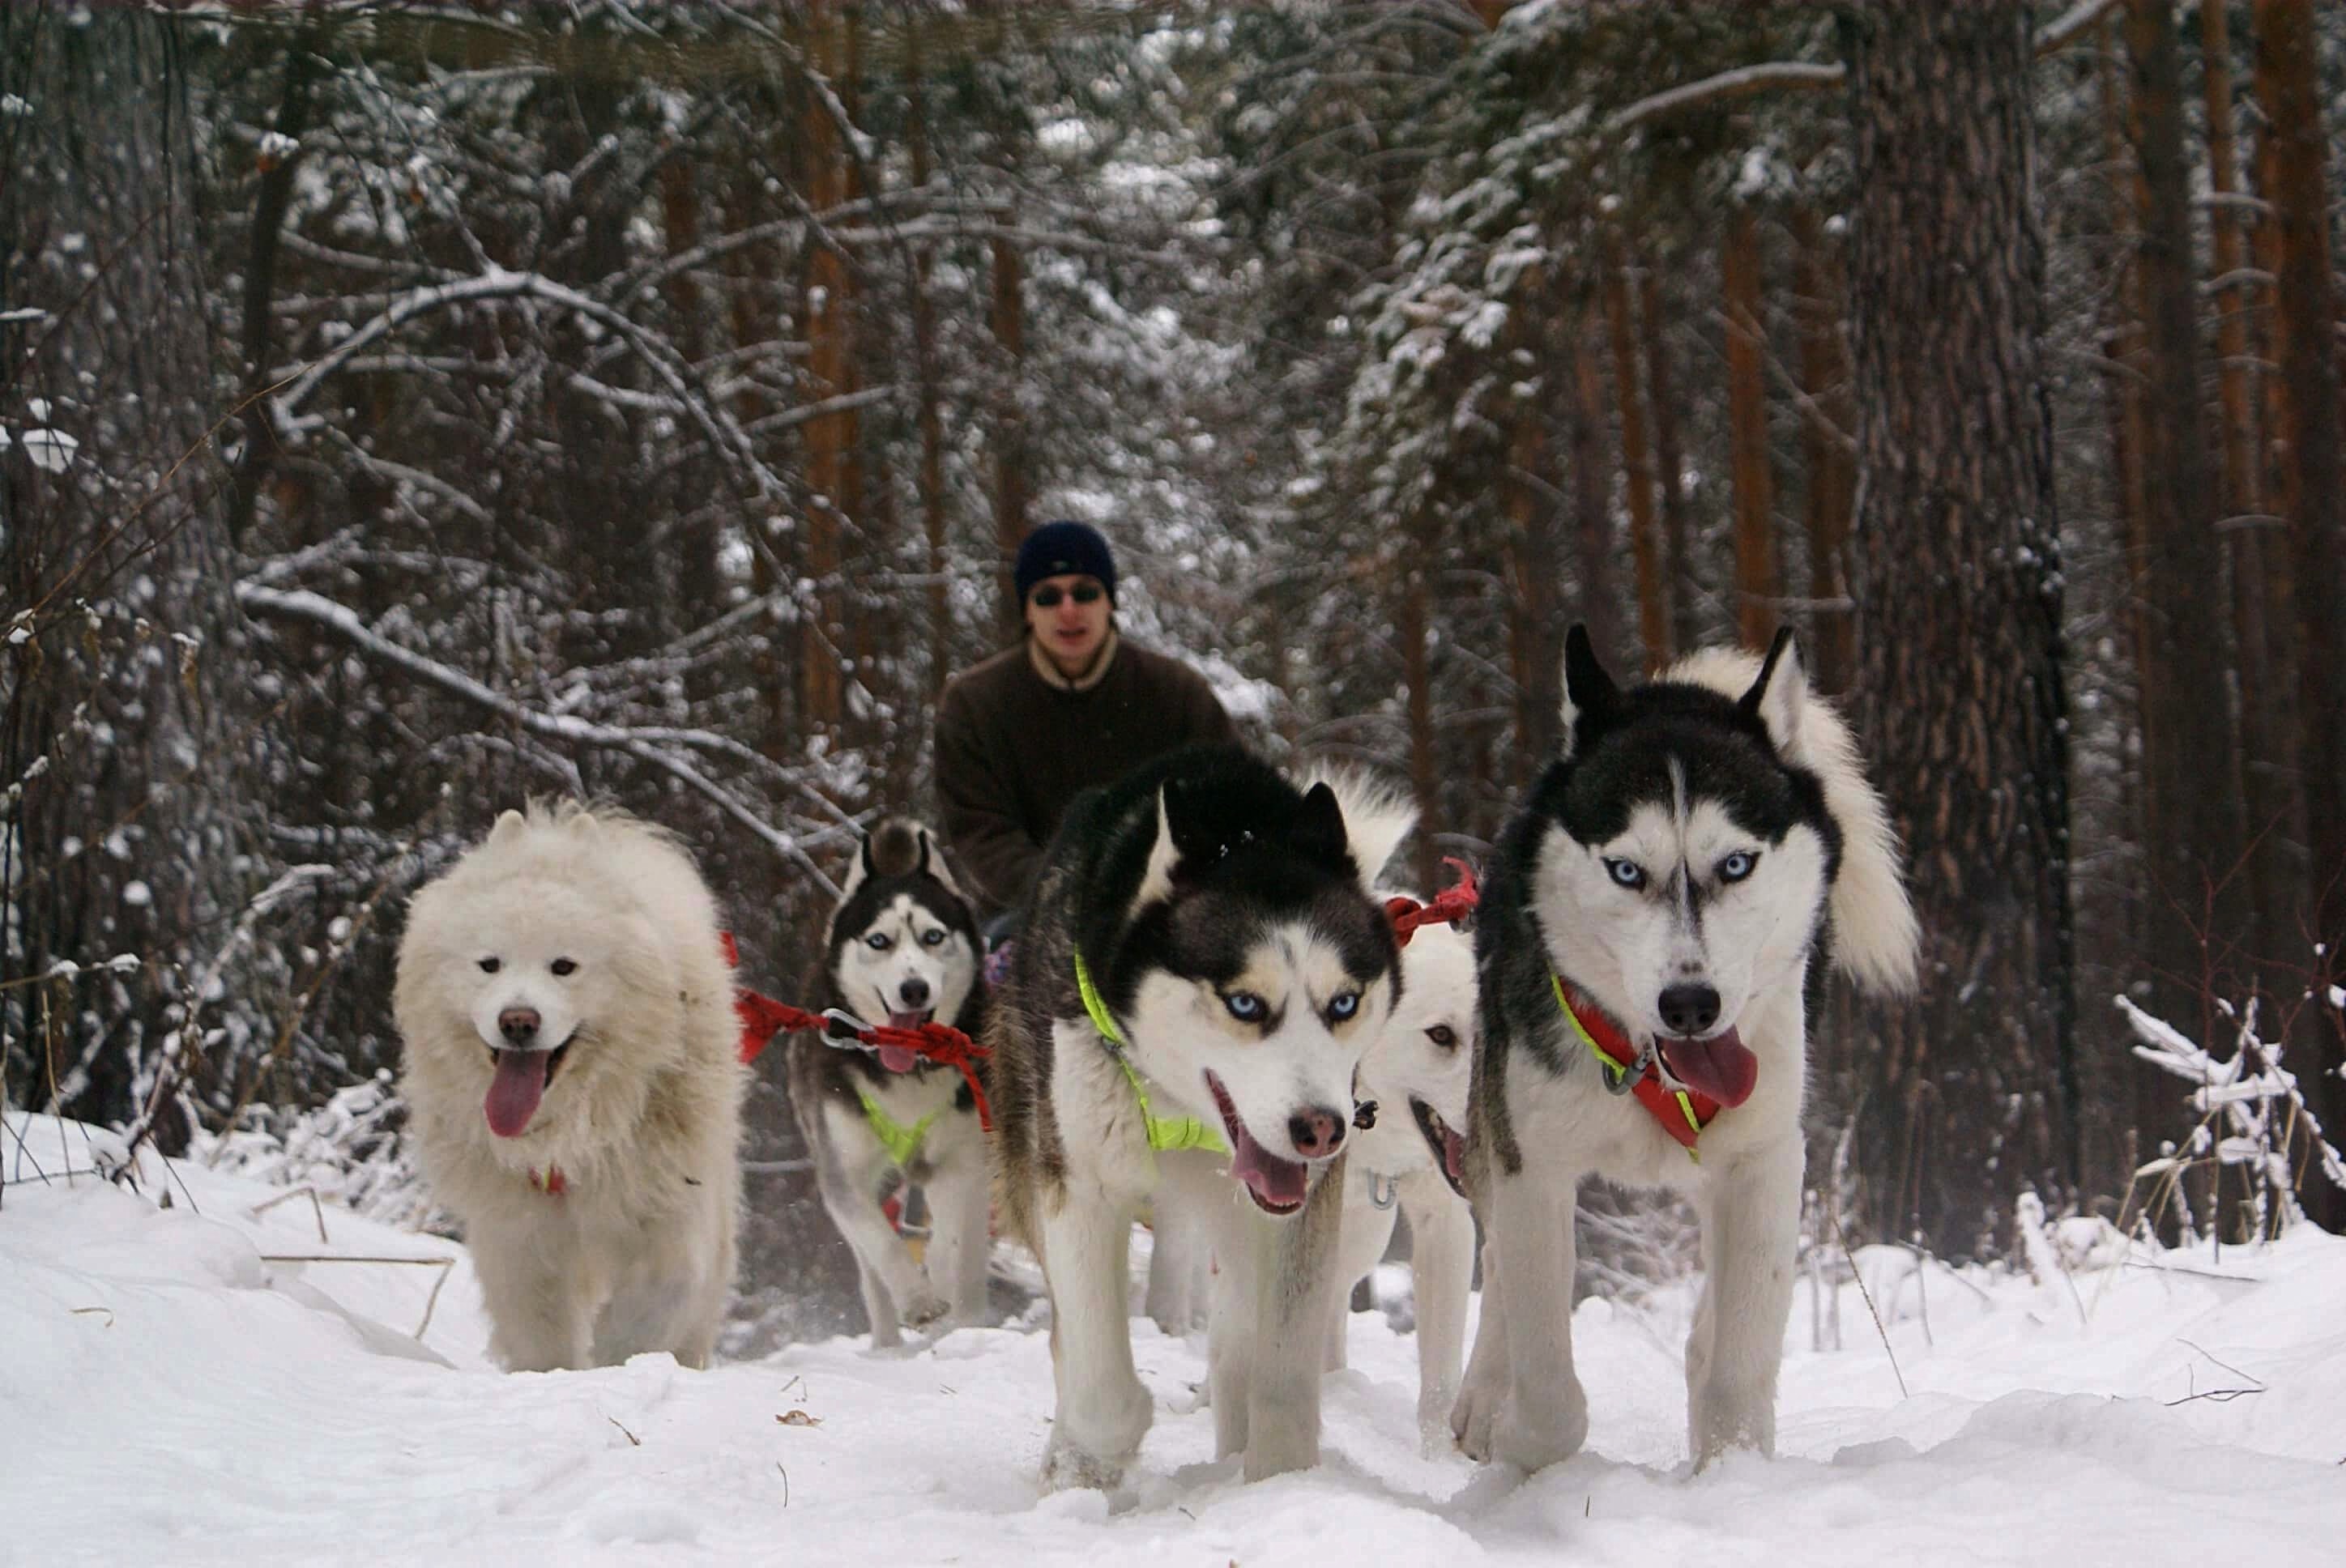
<point x="1055" y="549"/>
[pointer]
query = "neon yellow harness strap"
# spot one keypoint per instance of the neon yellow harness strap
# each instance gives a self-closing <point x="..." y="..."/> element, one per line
<point x="902" y="1143"/>
<point x="1164" y="1132"/>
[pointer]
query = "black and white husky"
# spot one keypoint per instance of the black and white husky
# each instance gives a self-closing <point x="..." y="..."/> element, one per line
<point x="1411" y="1162"/>
<point x="1201" y="967"/>
<point x="1657" y="904"/>
<point x="902" y="949"/>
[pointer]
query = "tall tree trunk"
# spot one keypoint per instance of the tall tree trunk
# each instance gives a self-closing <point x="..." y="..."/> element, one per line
<point x="929" y="417"/>
<point x="1417" y="683"/>
<point x="1637" y="461"/>
<point x="1592" y="511"/>
<point x="1756" y="607"/>
<point x="2305" y="327"/>
<point x="2194" y="829"/>
<point x="1669" y="462"/>
<point x="827" y="304"/>
<point x="1008" y="318"/>
<point x="1825" y="453"/>
<point x="1535" y="609"/>
<point x="270" y="198"/>
<point x="1972" y="1089"/>
<point x="755" y="320"/>
<point x="698" y="582"/>
<point x="2269" y="781"/>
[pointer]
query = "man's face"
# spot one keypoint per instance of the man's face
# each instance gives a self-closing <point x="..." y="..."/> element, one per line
<point x="1068" y="615"/>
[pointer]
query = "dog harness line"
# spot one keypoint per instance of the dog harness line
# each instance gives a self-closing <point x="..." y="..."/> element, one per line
<point x="902" y="1143"/>
<point x="1164" y="1132"/>
<point x="1681" y="1112"/>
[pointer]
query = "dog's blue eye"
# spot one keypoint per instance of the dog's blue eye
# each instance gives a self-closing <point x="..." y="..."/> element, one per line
<point x="933" y="937"/>
<point x="1627" y="873"/>
<point x="489" y="966"/>
<point x="563" y="966"/>
<point x="1245" y="1006"/>
<point x="1738" y="866"/>
<point x="879" y="941"/>
<point x="1344" y="1005"/>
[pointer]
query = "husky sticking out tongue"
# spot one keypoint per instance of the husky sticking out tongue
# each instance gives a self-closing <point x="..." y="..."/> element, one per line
<point x="1722" y="1067"/>
<point x="515" y="1091"/>
<point x="902" y="1058"/>
<point x="1276" y="1185"/>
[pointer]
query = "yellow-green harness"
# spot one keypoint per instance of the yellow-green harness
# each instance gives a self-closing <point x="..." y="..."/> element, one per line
<point x="1164" y="1132"/>
<point x="902" y="1143"/>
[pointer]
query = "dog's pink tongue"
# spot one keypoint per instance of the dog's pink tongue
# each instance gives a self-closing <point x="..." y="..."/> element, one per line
<point x="1275" y="1181"/>
<point x="902" y="1058"/>
<point x="515" y="1091"/>
<point x="1453" y="1155"/>
<point x="1723" y="1067"/>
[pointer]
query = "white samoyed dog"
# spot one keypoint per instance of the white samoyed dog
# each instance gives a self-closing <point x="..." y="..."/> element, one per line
<point x="573" y="1076"/>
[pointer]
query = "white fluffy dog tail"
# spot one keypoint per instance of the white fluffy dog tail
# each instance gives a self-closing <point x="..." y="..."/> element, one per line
<point x="1377" y="816"/>
<point x="1875" y="938"/>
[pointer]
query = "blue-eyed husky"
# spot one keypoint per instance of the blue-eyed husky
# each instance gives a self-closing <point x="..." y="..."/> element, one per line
<point x="902" y="950"/>
<point x="1642" y="947"/>
<point x="1201" y="967"/>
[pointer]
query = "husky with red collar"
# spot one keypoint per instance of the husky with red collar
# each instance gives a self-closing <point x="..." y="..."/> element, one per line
<point x="1643" y="947"/>
<point x="902" y="949"/>
<point x="1201" y="967"/>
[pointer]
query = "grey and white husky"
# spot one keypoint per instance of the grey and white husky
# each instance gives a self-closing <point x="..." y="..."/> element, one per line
<point x="1657" y="902"/>
<point x="1201" y="967"/>
<point x="902" y="949"/>
<point x="1411" y="1162"/>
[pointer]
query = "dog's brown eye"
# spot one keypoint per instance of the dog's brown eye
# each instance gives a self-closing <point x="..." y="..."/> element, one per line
<point x="563" y="966"/>
<point x="489" y="966"/>
<point x="1443" y="1036"/>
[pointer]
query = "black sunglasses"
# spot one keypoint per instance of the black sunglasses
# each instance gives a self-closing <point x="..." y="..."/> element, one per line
<point x="1047" y="597"/>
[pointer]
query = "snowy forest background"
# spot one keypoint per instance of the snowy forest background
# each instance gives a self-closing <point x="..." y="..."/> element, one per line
<point x="407" y="407"/>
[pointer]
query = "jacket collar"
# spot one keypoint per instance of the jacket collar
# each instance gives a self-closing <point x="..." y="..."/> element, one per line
<point x="1040" y="662"/>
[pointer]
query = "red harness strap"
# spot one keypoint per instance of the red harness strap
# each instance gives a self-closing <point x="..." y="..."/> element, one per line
<point x="762" y="1018"/>
<point x="1682" y="1113"/>
<point x="1452" y="906"/>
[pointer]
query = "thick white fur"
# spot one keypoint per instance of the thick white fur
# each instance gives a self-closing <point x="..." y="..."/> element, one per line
<point x="1392" y="1162"/>
<point x="1523" y="1401"/>
<point x="642" y="1120"/>
<point x="1272" y="1278"/>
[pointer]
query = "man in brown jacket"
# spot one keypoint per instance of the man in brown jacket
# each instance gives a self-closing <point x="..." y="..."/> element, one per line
<point x="1072" y="706"/>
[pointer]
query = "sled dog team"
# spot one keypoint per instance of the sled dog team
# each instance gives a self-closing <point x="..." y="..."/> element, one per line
<point x="1212" y="1019"/>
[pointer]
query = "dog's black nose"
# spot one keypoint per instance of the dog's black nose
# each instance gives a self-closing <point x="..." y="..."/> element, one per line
<point x="1688" y="1009"/>
<point x="916" y="992"/>
<point x="1316" y="1133"/>
<point x="518" y="1025"/>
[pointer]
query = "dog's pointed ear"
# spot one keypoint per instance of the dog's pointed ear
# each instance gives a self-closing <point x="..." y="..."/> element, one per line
<point x="508" y="828"/>
<point x="1589" y="693"/>
<point x="1164" y="855"/>
<point x="860" y="872"/>
<point x="1319" y="830"/>
<point x="933" y="864"/>
<point x="1780" y="696"/>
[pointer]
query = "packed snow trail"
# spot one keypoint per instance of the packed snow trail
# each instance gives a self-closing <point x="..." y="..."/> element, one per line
<point x="168" y="1397"/>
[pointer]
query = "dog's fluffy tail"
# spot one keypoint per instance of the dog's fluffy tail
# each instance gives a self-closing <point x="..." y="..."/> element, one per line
<point x="1875" y="938"/>
<point x="1377" y="815"/>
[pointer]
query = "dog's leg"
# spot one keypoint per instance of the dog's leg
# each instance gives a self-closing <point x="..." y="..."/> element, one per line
<point x="1174" y="1245"/>
<point x="880" y="1254"/>
<point x="959" y="1206"/>
<point x="1367" y="1231"/>
<point x="1750" y="1237"/>
<point x="1102" y="1411"/>
<point x="541" y="1298"/>
<point x="1231" y="1324"/>
<point x="1442" y="1270"/>
<point x="1544" y="1416"/>
<point x="1295" y="1276"/>
<point x="1486" y="1373"/>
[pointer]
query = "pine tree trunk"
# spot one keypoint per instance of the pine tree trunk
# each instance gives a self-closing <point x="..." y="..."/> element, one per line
<point x="1535" y="610"/>
<point x="1637" y="463"/>
<point x="2194" y="829"/>
<point x="1669" y="463"/>
<point x="1592" y="512"/>
<point x="1832" y="469"/>
<point x="2305" y="326"/>
<point x="1008" y="320"/>
<point x="827" y="304"/>
<point x="1756" y="609"/>
<point x="1973" y="1091"/>
<point x="930" y="417"/>
<point x="1417" y="681"/>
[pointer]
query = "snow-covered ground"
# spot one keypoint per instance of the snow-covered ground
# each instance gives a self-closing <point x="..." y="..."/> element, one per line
<point x="175" y="1390"/>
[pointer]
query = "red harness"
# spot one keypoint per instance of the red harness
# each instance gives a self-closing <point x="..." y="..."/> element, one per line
<point x="1452" y="906"/>
<point x="762" y="1018"/>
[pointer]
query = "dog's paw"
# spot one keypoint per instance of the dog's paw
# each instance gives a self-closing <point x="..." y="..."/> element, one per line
<point x="1066" y="1468"/>
<point x="1437" y="1412"/>
<point x="925" y="1311"/>
<point x="1533" y="1441"/>
<point x="1470" y="1422"/>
